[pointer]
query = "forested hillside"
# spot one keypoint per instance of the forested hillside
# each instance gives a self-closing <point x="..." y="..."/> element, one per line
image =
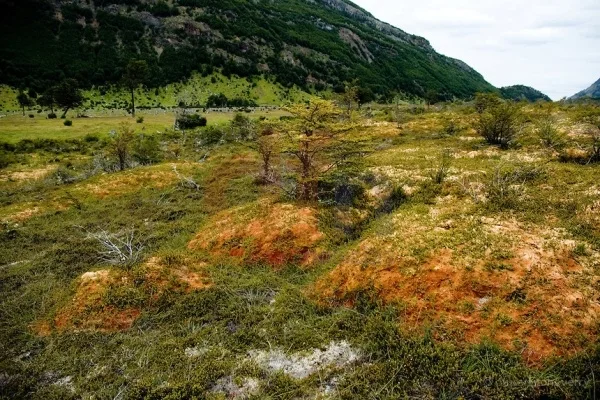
<point x="313" y="45"/>
<point x="521" y="92"/>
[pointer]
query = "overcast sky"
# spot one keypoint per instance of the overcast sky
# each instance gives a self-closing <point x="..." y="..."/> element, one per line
<point x="551" y="45"/>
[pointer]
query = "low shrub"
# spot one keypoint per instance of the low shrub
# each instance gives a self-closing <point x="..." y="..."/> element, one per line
<point x="52" y="116"/>
<point x="63" y="175"/>
<point x="146" y="150"/>
<point x="68" y="122"/>
<point x="394" y="200"/>
<point x="6" y="159"/>
<point x="506" y="185"/>
<point x="451" y="127"/>
<point x="190" y="121"/>
<point x="140" y="120"/>
<point x="91" y="138"/>
<point x="589" y="153"/>
<point x="499" y="124"/>
<point x="549" y="134"/>
<point x="211" y="135"/>
<point x="31" y="116"/>
<point x="439" y="174"/>
<point x="242" y="128"/>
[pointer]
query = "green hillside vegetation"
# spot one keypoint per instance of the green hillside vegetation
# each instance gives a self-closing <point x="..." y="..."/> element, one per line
<point x="312" y="45"/>
<point x="194" y="92"/>
<point x="523" y="93"/>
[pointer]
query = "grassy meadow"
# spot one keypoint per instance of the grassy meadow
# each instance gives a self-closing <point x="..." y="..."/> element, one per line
<point x="434" y="266"/>
<point x="15" y="127"/>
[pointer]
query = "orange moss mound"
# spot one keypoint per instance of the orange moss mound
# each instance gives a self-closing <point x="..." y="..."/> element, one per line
<point x="225" y="169"/>
<point x="539" y="301"/>
<point x="157" y="176"/>
<point x="87" y="310"/>
<point x="91" y="307"/>
<point x="132" y="180"/>
<point x="280" y="234"/>
<point x="27" y="174"/>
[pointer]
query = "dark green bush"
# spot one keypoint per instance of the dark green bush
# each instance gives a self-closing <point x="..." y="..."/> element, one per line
<point x="393" y="201"/>
<point x="211" y="135"/>
<point x="63" y="175"/>
<point x="68" y="122"/>
<point x="6" y="159"/>
<point x="499" y="124"/>
<point x="91" y="138"/>
<point x="337" y="189"/>
<point x="52" y="116"/>
<point x="190" y="121"/>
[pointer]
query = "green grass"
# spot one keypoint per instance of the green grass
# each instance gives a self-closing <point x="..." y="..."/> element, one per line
<point x="14" y="128"/>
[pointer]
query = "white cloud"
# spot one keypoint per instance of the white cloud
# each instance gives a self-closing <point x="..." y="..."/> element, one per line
<point x="452" y="17"/>
<point x="551" y="45"/>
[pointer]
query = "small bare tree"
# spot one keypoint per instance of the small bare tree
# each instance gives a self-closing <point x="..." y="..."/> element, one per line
<point x="349" y="99"/>
<point x="118" y="248"/>
<point x="268" y="147"/>
<point x="120" y="145"/>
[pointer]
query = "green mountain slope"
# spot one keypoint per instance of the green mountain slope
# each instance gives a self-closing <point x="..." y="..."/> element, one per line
<point x="315" y="45"/>
<point x="593" y="92"/>
<point x="521" y="92"/>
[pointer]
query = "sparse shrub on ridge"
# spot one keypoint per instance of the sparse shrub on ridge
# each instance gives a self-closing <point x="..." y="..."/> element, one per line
<point x="549" y="135"/>
<point x="505" y="187"/>
<point x="440" y="173"/>
<point x="589" y="151"/>
<point x="485" y="101"/>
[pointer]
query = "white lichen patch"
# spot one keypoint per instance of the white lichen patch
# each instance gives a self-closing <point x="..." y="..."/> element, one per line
<point x="236" y="389"/>
<point x="302" y="365"/>
<point x="193" y="352"/>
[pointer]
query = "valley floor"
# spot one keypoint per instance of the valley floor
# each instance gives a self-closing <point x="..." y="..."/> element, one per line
<point x="480" y="281"/>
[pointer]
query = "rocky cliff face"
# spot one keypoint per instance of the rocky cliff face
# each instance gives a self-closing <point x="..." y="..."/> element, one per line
<point x="365" y="17"/>
<point x="593" y="92"/>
